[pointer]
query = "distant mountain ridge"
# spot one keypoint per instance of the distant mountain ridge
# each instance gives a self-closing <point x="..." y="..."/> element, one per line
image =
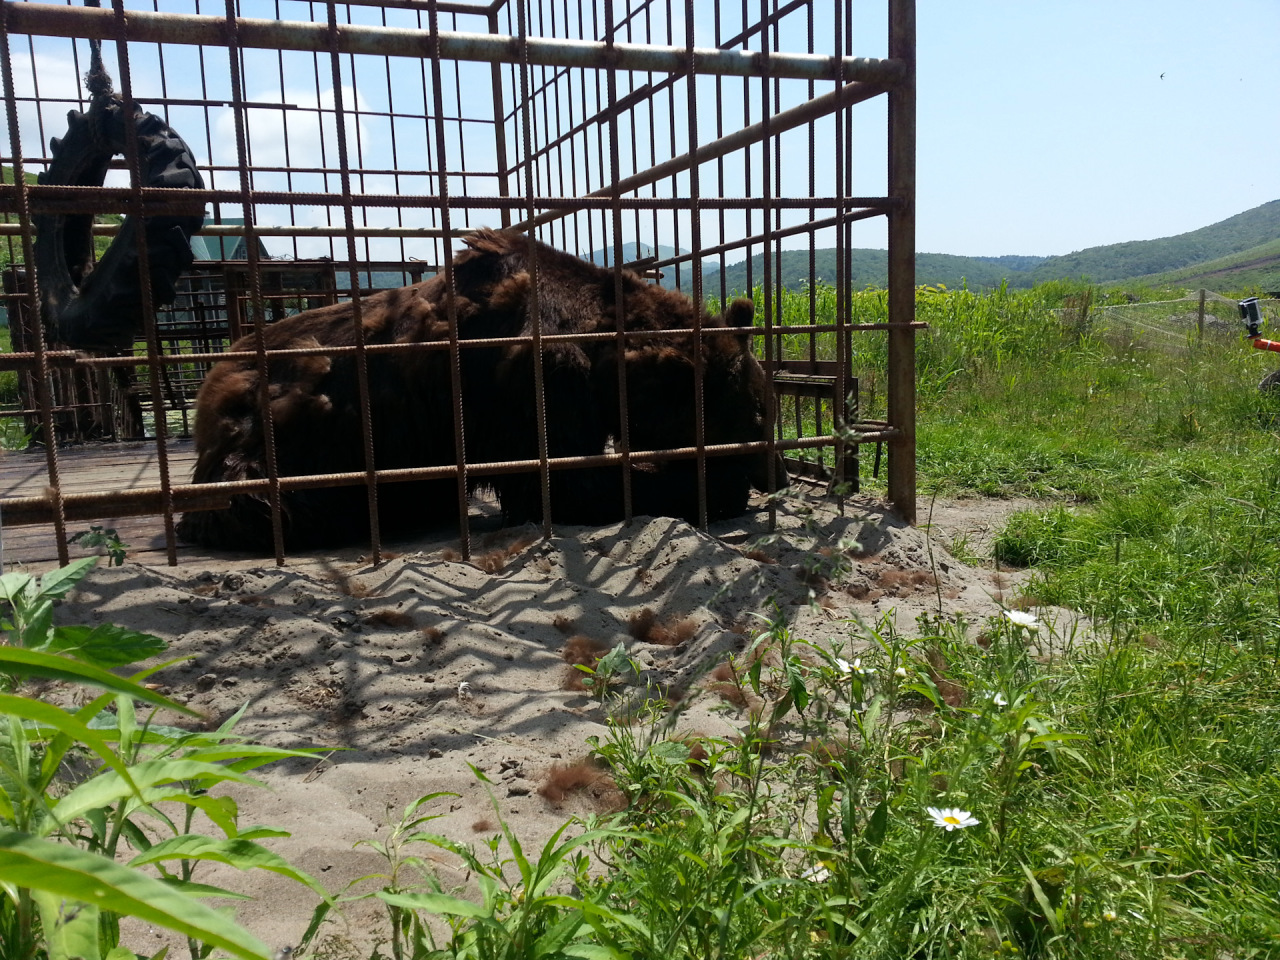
<point x="1240" y="251"/>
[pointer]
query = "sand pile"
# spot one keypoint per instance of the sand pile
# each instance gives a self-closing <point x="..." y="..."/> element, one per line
<point x="427" y="664"/>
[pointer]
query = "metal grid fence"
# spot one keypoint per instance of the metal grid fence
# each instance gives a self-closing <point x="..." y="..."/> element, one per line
<point x="366" y="138"/>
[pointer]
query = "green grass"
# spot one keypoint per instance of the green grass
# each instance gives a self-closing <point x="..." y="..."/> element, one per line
<point x="1126" y="782"/>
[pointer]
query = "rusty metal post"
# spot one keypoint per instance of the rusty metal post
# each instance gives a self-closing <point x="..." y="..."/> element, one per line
<point x="450" y="288"/>
<point x="499" y="123"/>
<point x="901" y="380"/>
<point x="44" y="394"/>
<point x="623" y="442"/>
<point x="154" y="369"/>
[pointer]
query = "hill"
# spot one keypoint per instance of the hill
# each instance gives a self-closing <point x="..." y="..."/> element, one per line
<point x="632" y="251"/>
<point x="1257" y="267"/>
<point x="1232" y="254"/>
<point x="870" y="268"/>
<point x="1142" y="258"/>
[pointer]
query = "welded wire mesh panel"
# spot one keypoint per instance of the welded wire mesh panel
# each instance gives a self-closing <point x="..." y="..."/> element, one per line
<point x="327" y="151"/>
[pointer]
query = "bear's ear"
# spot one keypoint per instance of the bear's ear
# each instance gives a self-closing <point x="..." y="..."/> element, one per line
<point x="741" y="314"/>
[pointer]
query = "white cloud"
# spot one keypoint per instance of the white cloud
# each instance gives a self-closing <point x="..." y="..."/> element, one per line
<point x="312" y="137"/>
<point x="53" y="77"/>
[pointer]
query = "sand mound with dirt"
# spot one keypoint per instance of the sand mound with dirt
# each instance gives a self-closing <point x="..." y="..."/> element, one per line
<point x="427" y="664"/>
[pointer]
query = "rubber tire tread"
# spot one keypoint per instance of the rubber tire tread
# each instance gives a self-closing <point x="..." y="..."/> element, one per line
<point x="99" y="308"/>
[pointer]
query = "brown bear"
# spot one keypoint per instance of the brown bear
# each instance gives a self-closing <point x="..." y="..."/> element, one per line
<point x="315" y="403"/>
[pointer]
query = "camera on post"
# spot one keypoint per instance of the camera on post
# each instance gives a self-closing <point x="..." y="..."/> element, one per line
<point x="1251" y="316"/>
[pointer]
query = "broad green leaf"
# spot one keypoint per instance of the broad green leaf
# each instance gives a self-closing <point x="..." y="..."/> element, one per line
<point x="222" y="811"/>
<point x="59" y="745"/>
<point x="1050" y="914"/>
<point x="877" y="824"/>
<point x="107" y="788"/>
<point x="70" y="928"/>
<point x="927" y="689"/>
<point x="554" y="940"/>
<point x="436" y="903"/>
<point x="248" y="755"/>
<point x="13" y="586"/>
<point x="594" y="951"/>
<point x="233" y="851"/>
<point x="193" y="889"/>
<point x="64" y="722"/>
<point x="105" y="645"/>
<point x="58" y="583"/>
<point x="48" y="666"/>
<point x="671" y="751"/>
<point x="795" y="683"/>
<point x="37" y="864"/>
<point x="35" y="626"/>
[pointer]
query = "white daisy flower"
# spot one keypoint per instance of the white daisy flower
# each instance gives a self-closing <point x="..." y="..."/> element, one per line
<point x="951" y="818"/>
<point x="858" y="668"/>
<point x="901" y="673"/>
<point x="998" y="699"/>
<point x="1020" y="618"/>
<point x="843" y="665"/>
<point x="1109" y="916"/>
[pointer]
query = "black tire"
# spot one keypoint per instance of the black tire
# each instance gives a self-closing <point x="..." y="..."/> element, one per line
<point x="99" y="307"/>
<point x="1270" y="384"/>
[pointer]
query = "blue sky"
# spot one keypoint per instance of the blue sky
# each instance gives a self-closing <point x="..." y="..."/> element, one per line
<point x="1044" y="127"/>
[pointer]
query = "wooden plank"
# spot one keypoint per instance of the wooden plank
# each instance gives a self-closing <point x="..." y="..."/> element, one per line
<point x="114" y="467"/>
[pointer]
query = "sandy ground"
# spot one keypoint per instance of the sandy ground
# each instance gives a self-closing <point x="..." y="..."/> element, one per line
<point x="426" y="664"/>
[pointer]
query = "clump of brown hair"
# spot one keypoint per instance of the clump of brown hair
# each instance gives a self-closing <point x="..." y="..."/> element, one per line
<point x="726" y="685"/>
<point x="580" y="650"/>
<point x="563" y="622"/>
<point x="953" y="694"/>
<point x="482" y="826"/>
<point x="760" y="556"/>
<point x="895" y="580"/>
<point x="351" y="586"/>
<point x="392" y="619"/>
<point x="698" y="755"/>
<point x="583" y="777"/>
<point x="450" y="555"/>
<point x="495" y="561"/>
<point x="431" y="635"/>
<point x="645" y="627"/>
<point x="492" y="562"/>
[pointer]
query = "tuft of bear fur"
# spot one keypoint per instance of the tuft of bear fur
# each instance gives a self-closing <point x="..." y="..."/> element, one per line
<point x="314" y="402"/>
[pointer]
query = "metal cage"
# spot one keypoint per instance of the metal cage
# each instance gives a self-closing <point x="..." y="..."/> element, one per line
<point x="349" y="147"/>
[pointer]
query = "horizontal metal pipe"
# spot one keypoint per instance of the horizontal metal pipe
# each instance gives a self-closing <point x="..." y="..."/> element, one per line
<point x="767" y="129"/>
<point x="39" y="19"/>
<point x="811" y="226"/>
<point x="159" y="201"/>
<point x="24" y="511"/>
<point x="234" y="230"/>
<point x="67" y="359"/>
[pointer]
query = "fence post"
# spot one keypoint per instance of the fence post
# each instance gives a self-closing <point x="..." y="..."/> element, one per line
<point x="900" y="383"/>
<point x="1200" y="318"/>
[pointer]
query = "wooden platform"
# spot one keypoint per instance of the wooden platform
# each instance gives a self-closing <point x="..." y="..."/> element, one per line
<point x="92" y="468"/>
<point x="96" y="468"/>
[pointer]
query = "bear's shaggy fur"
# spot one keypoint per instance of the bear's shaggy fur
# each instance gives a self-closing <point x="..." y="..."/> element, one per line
<point x="314" y="403"/>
